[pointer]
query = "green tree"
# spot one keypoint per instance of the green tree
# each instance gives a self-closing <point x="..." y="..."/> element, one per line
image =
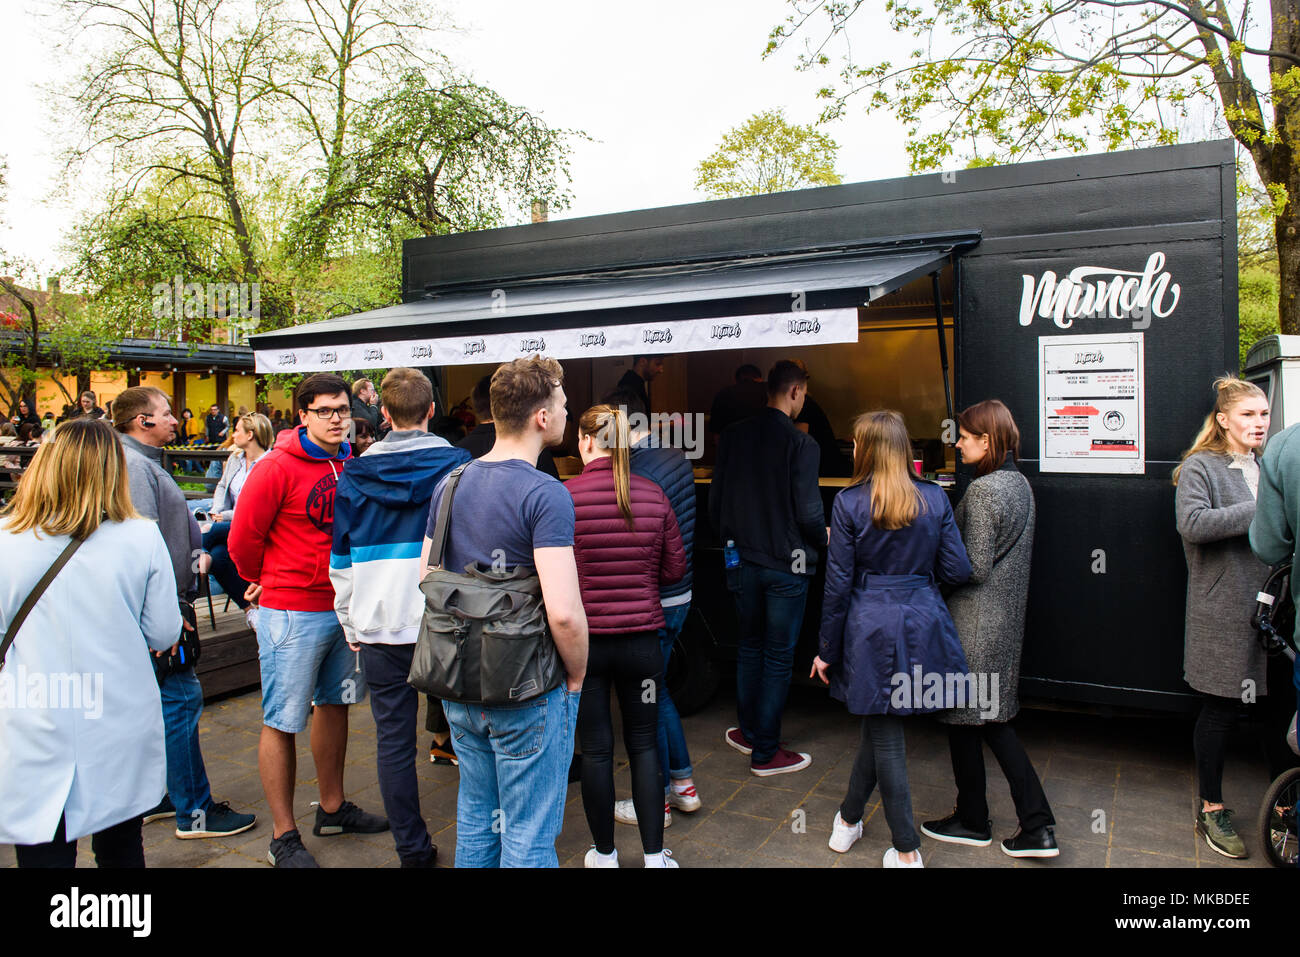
<point x="767" y="154"/>
<point x="999" y="80"/>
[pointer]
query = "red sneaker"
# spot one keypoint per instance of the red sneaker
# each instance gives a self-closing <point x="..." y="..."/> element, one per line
<point x="783" y="762"/>
<point x="737" y="740"/>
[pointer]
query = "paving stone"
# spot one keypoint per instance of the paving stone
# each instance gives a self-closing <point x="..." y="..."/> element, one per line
<point x="1125" y="857"/>
<point x="740" y="832"/>
<point x="766" y="802"/>
<point x="1086" y="770"/>
<point x="1138" y="832"/>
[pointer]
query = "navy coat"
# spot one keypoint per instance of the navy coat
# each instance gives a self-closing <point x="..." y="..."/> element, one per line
<point x="883" y="615"/>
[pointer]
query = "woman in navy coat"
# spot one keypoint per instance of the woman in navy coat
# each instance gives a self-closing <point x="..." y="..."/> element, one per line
<point x="888" y="646"/>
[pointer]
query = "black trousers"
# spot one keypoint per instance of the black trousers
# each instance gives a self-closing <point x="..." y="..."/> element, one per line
<point x="965" y="744"/>
<point x="633" y="666"/>
<point x="121" y="845"/>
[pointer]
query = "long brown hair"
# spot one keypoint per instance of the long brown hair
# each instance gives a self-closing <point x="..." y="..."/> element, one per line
<point x="882" y="453"/>
<point x="1228" y="391"/>
<point x="75" y="482"/>
<point x="993" y="419"/>
<point x="608" y="426"/>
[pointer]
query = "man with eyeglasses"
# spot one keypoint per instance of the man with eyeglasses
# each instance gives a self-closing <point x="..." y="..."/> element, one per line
<point x="280" y="541"/>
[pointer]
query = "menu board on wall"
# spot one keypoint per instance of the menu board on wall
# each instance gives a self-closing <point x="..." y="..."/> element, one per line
<point x="1091" y="403"/>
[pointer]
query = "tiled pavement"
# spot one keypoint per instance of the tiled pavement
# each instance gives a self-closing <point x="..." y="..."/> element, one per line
<point x="1122" y="790"/>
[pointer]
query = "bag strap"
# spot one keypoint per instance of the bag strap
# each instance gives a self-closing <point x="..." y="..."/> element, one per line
<point x="444" y="517"/>
<point x="35" y="596"/>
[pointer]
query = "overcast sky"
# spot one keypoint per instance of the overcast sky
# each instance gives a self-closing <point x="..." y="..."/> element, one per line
<point x="654" y="84"/>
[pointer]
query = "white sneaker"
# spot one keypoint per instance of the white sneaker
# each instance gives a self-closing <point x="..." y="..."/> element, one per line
<point x="625" y="812"/>
<point x="687" y="800"/>
<point x="891" y="859"/>
<point x="596" y="859"/>
<point x="842" y="835"/>
<point x="663" y="859"/>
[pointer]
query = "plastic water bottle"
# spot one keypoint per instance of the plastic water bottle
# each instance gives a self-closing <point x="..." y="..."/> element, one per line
<point x="730" y="556"/>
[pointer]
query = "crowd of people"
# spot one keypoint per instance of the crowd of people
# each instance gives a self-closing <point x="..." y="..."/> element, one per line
<point x="468" y="568"/>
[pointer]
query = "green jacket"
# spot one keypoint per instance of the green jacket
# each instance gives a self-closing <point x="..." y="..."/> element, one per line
<point x="1277" y="509"/>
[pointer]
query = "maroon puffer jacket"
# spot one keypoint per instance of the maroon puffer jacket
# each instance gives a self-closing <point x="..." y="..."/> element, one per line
<point x="620" y="571"/>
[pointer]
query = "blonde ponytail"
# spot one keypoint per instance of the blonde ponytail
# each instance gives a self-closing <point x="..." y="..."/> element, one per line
<point x="1229" y="390"/>
<point x="608" y="426"/>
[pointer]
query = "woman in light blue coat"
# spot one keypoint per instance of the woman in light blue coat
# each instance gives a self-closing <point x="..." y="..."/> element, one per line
<point x="81" y="730"/>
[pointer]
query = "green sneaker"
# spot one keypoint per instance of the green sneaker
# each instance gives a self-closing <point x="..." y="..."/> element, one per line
<point x="1216" y="827"/>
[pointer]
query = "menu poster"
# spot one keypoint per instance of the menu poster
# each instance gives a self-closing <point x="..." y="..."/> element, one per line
<point x="1091" y="404"/>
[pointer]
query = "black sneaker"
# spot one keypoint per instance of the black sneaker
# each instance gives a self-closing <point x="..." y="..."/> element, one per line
<point x="951" y="830"/>
<point x="287" y="851"/>
<point x="428" y="860"/>
<point x="1039" y="843"/>
<point x="220" y="820"/>
<point x="443" y="754"/>
<point x="164" y="810"/>
<point x="348" y="819"/>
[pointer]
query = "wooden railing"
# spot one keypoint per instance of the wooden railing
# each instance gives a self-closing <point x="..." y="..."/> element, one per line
<point x="172" y="457"/>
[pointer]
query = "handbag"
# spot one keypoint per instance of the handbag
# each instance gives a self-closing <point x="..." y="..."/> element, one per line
<point x="25" y="609"/>
<point x="484" y="638"/>
<point x="186" y="653"/>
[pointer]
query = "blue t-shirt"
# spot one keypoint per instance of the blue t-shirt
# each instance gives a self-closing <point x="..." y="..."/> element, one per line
<point x="503" y="509"/>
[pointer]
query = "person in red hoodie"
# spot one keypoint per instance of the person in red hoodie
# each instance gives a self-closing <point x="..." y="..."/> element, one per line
<point x="626" y="543"/>
<point x="280" y="542"/>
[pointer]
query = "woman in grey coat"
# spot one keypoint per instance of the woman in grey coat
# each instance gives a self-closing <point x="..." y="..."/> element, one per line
<point x="1217" y="482"/>
<point x="996" y="518"/>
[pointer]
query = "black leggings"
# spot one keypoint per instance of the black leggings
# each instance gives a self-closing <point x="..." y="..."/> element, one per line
<point x="633" y="666"/>
<point x="965" y="745"/>
<point x="121" y="845"/>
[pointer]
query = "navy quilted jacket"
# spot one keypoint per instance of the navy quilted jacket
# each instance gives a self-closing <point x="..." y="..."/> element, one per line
<point x="620" y="570"/>
<point x="671" y="471"/>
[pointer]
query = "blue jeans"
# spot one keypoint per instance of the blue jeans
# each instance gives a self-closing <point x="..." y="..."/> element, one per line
<point x="674" y="759"/>
<point x="882" y="759"/>
<point x="187" y="778"/>
<point x="769" y="604"/>
<point x="514" y="778"/>
<point x="223" y="567"/>
<point x="304" y="660"/>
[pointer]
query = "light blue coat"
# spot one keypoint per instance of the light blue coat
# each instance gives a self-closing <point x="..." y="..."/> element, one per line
<point x="81" y="728"/>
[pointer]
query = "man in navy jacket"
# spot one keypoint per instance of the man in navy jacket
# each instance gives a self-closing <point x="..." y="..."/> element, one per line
<point x="380" y="512"/>
<point x="765" y="497"/>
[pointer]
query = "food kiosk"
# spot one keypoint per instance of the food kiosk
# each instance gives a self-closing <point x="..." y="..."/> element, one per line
<point x="1095" y="295"/>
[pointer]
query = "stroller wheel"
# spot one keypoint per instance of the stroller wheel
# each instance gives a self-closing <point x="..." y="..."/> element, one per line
<point x="1277" y="820"/>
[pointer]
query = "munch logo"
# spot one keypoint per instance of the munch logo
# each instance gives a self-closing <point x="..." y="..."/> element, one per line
<point x="329" y="358"/>
<point x="288" y="359"/>
<point x="1100" y="292"/>
<point x="657" y="336"/>
<point x="725" y="330"/>
<point x="475" y="346"/>
<point x="591" y="339"/>
<point x="421" y="352"/>
<point x="373" y="353"/>
<point x="320" y="503"/>
<point x="532" y="345"/>
<point x="799" y="327"/>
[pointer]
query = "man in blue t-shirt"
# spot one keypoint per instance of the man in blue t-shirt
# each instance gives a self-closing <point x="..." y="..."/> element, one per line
<point x="514" y="760"/>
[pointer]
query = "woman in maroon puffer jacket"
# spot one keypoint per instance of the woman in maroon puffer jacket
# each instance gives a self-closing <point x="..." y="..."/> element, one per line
<point x="627" y="544"/>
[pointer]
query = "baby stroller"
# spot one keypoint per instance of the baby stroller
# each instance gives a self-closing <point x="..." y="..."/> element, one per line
<point x="1274" y="619"/>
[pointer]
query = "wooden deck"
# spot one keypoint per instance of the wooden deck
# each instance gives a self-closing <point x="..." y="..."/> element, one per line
<point x="228" y="663"/>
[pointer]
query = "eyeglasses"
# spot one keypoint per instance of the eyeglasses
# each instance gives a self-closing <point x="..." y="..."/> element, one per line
<point x="343" y="414"/>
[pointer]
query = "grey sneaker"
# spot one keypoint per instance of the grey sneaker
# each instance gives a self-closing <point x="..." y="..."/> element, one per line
<point x="348" y="819"/>
<point x="1216" y="827"/>
<point x="287" y="851"/>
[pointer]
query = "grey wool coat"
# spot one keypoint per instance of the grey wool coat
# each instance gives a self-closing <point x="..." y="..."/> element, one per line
<point x="1214" y="508"/>
<point x="996" y="519"/>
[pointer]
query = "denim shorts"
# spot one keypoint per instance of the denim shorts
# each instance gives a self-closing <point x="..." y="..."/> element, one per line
<point x="305" y="660"/>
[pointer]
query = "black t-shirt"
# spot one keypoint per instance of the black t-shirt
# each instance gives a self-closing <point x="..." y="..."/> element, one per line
<point x="736" y="403"/>
<point x="833" y="461"/>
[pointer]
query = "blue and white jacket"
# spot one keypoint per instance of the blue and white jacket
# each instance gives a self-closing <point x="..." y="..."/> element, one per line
<point x="381" y="510"/>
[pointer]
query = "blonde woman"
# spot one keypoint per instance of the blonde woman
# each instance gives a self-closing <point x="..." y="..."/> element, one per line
<point x="94" y="763"/>
<point x="1215" y="502"/>
<point x="252" y="438"/>
<point x="892" y="538"/>
<point x="626" y="544"/>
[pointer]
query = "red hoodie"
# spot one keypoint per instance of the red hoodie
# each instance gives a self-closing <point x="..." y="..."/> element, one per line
<point x="283" y="526"/>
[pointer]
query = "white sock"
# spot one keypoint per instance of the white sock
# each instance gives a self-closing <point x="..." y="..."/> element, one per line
<point x="655" y="860"/>
<point x="610" y="858"/>
<point x="681" y="788"/>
